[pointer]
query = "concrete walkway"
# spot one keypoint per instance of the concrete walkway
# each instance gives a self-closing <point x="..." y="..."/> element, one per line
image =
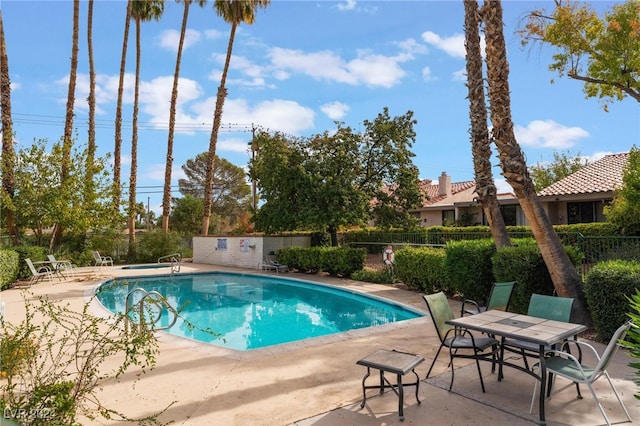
<point x="316" y="381"/>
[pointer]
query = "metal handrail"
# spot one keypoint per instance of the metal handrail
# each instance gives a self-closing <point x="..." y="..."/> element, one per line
<point x="159" y="301"/>
<point x="174" y="259"/>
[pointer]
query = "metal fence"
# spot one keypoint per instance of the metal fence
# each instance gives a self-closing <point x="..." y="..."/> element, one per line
<point x="594" y="248"/>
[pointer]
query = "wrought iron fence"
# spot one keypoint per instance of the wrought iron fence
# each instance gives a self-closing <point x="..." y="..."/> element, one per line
<point x="594" y="248"/>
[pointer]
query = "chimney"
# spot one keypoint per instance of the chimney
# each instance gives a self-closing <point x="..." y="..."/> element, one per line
<point x="444" y="184"/>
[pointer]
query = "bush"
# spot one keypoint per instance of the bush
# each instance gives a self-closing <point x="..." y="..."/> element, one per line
<point x="374" y="276"/>
<point x="153" y="245"/>
<point x="9" y="268"/>
<point x="608" y="285"/>
<point x="523" y="263"/>
<point x="421" y="268"/>
<point x="468" y="267"/>
<point x="336" y="261"/>
<point x="34" y="253"/>
<point x="632" y="341"/>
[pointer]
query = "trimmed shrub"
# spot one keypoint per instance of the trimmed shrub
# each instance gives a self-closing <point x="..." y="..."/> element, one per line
<point x="372" y="276"/>
<point x="336" y="261"/>
<point x="469" y="269"/>
<point x="9" y="267"/>
<point x="608" y="285"/>
<point x="421" y="268"/>
<point x="523" y="263"/>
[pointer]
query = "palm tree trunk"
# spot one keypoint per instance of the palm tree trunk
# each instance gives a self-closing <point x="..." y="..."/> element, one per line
<point x="564" y="275"/>
<point x="117" y="150"/>
<point x="217" y="118"/>
<point x="480" y="143"/>
<point x="67" y="142"/>
<point x="134" y="153"/>
<point x="166" y="197"/>
<point x="8" y="150"/>
<point x="91" y="100"/>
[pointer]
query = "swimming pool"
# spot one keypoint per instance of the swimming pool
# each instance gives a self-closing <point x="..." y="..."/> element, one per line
<point x="147" y="266"/>
<point x="254" y="311"/>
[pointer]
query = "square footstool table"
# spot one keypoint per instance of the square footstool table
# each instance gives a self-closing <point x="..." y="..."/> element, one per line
<point x="398" y="363"/>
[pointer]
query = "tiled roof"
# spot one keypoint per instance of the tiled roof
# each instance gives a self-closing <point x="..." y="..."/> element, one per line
<point x="431" y="191"/>
<point x="600" y="176"/>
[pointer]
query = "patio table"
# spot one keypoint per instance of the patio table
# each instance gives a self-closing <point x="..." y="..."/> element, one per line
<point x="540" y="331"/>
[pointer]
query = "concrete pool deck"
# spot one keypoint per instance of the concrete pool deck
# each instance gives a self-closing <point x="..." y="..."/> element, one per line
<point x="317" y="382"/>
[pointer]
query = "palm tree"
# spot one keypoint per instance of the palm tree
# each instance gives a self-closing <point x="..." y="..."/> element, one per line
<point x="8" y="151"/>
<point x="141" y="11"/>
<point x="233" y="12"/>
<point x="480" y="143"/>
<point x="564" y="275"/>
<point x="91" y="100"/>
<point x="67" y="142"/>
<point x="166" y="197"/>
<point x="118" y="123"/>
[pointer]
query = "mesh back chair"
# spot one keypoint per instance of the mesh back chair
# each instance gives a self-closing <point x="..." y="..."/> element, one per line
<point x="455" y="339"/>
<point x="541" y="306"/>
<point x="499" y="299"/>
<point x="565" y="365"/>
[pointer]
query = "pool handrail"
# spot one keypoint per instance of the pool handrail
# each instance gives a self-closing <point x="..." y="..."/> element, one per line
<point x="160" y="300"/>
<point x="174" y="259"/>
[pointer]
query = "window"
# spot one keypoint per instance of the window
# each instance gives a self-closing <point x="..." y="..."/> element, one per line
<point x="581" y="212"/>
<point x="448" y="217"/>
<point x="509" y="215"/>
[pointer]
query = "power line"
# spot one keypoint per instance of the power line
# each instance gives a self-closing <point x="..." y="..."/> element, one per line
<point x="50" y="120"/>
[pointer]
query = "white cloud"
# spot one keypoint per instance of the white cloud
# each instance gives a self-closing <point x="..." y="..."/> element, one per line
<point x="170" y="39"/>
<point x="452" y="46"/>
<point x="213" y="34"/>
<point x="549" y="134"/>
<point x="368" y="68"/>
<point x="335" y="110"/>
<point x="426" y="74"/>
<point x="411" y="46"/>
<point x="347" y="5"/>
<point x="156" y="172"/>
<point x="460" y="75"/>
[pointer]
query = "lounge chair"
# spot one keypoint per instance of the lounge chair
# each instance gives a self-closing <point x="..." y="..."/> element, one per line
<point x="62" y="266"/>
<point x="39" y="273"/>
<point x="102" y="260"/>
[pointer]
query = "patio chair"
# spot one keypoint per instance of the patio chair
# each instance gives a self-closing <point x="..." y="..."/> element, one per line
<point x="102" y="260"/>
<point x="541" y="306"/>
<point x="499" y="299"/>
<point x="39" y="273"/>
<point x="455" y="339"/>
<point x="565" y="365"/>
<point x="62" y="265"/>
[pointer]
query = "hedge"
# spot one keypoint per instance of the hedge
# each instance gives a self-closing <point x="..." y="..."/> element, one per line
<point x="9" y="267"/>
<point x="468" y="267"/>
<point x="608" y="285"/>
<point x="421" y="268"/>
<point x="336" y="261"/>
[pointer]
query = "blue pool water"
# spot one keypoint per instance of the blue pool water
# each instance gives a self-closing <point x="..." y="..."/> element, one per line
<point x="252" y="311"/>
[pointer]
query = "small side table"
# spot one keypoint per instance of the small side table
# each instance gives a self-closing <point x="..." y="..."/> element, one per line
<point x="399" y="363"/>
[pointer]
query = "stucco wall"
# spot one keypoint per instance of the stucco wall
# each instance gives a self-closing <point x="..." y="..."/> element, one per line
<point x="243" y="251"/>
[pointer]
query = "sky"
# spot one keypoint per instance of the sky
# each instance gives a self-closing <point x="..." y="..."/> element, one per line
<point x="302" y="66"/>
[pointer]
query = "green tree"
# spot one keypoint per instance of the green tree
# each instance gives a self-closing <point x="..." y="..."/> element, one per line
<point x="233" y="12"/>
<point x="231" y="193"/>
<point x="624" y="211"/>
<point x="166" y="195"/>
<point x="185" y="215"/>
<point x="563" y="164"/>
<point x="565" y="277"/>
<point x="604" y="53"/>
<point x="42" y="200"/>
<point x="337" y="179"/>
<point x="8" y="150"/>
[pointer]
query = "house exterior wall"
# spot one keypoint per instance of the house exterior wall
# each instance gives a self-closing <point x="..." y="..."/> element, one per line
<point x="241" y="251"/>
